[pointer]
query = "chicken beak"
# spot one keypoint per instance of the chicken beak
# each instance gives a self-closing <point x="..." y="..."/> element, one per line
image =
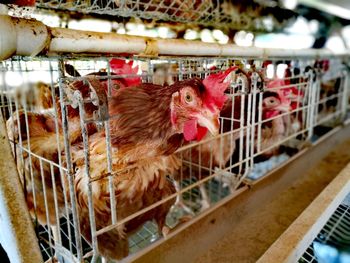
<point x="283" y="108"/>
<point x="210" y="121"/>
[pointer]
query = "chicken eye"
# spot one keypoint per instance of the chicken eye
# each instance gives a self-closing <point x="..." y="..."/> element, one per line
<point x="188" y="97"/>
<point x="271" y="102"/>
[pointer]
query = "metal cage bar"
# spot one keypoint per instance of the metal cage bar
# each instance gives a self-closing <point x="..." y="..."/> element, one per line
<point x="16" y="226"/>
<point x="62" y="40"/>
<point x="208" y="171"/>
<point x="220" y="14"/>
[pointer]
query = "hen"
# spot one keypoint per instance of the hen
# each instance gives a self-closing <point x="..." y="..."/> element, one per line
<point x="38" y="177"/>
<point x="267" y="134"/>
<point x="294" y="121"/>
<point x="275" y="102"/>
<point x="329" y="102"/>
<point x="201" y="159"/>
<point x="148" y="124"/>
<point x="41" y="180"/>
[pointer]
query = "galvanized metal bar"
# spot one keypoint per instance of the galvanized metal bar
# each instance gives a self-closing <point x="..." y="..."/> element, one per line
<point x="46" y="205"/>
<point x="57" y="235"/>
<point x="16" y="226"/>
<point x="70" y="173"/>
<point x="309" y="117"/>
<point x="345" y="94"/>
<point x="60" y="166"/>
<point x="254" y="91"/>
<point x="27" y="129"/>
<point x="79" y="98"/>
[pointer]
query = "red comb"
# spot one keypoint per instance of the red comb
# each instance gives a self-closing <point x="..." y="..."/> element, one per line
<point x="291" y="95"/>
<point x="121" y="67"/>
<point x="276" y="83"/>
<point x="297" y="92"/>
<point x="215" y="87"/>
<point x="21" y="2"/>
<point x="283" y="93"/>
<point x="266" y="63"/>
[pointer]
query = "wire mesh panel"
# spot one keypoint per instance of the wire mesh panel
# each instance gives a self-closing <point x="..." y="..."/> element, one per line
<point x="255" y="15"/>
<point x="114" y="153"/>
<point x="333" y="242"/>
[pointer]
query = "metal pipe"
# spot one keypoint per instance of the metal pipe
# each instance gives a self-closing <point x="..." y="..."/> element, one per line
<point x="25" y="37"/>
<point x="30" y="37"/>
<point x="16" y="226"/>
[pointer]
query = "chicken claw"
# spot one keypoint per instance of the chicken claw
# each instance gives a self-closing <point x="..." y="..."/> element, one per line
<point x="179" y="201"/>
<point x="185" y="208"/>
<point x="205" y="202"/>
<point x="121" y="231"/>
<point x="165" y="231"/>
<point x="185" y="219"/>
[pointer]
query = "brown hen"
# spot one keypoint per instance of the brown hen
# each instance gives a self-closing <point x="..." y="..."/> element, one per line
<point x="43" y="143"/>
<point x="148" y="124"/>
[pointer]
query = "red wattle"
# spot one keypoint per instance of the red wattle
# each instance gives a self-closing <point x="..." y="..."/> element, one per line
<point x="190" y="130"/>
<point x="271" y="114"/>
<point x="294" y="105"/>
<point x="202" y="131"/>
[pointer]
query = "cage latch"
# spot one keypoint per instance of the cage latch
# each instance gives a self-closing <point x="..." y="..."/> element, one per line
<point x="99" y="98"/>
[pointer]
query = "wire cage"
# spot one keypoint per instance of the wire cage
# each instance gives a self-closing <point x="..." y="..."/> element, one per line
<point x="89" y="199"/>
<point x="334" y="236"/>
<point x="255" y="15"/>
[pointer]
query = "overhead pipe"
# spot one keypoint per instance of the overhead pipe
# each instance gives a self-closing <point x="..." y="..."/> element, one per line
<point x="29" y="37"/>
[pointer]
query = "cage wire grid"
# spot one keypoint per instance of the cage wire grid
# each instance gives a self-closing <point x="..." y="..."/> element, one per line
<point x="201" y="180"/>
<point x="335" y="233"/>
<point x="257" y="15"/>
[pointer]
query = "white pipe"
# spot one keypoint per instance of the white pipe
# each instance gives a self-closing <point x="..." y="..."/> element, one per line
<point x="27" y="30"/>
<point x="77" y="41"/>
<point x="187" y="48"/>
<point x="30" y="37"/>
<point x="7" y="38"/>
<point x="25" y="37"/>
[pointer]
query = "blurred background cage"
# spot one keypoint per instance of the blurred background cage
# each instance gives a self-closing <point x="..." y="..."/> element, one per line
<point x="60" y="119"/>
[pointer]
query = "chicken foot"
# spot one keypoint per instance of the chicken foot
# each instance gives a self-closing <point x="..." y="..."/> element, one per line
<point x="122" y="231"/>
<point x="228" y="179"/>
<point x="205" y="202"/>
<point x="179" y="201"/>
<point x="56" y="237"/>
<point x="55" y="233"/>
<point x="167" y="230"/>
